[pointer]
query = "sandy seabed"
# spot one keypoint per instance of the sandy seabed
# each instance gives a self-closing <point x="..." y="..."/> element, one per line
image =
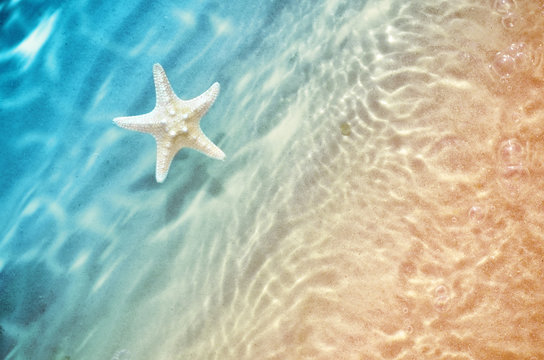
<point x="382" y="198"/>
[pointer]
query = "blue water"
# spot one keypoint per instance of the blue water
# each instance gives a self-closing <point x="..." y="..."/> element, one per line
<point x="69" y="176"/>
<point x="67" y="69"/>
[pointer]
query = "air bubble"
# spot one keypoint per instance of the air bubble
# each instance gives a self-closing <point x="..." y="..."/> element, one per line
<point x="511" y="153"/>
<point x="504" y="6"/>
<point x="442" y="303"/>
<point x="514" y="58"/>
<point x="476" y="214"/>
<point x="513" y="173"/>
<point x="441" y="300"/>
<point x="441" y="290"/>
<point x="509" y="21"/>
<point x="504" y="65"/>
<point x="518" y="51"/>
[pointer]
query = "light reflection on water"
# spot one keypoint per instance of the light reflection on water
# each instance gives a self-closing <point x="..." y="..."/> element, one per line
<point x="380" y="198"/>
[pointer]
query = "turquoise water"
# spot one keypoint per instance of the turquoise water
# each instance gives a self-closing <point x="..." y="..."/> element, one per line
<point x="380" y="198"/>
<point x="79" y="199"/>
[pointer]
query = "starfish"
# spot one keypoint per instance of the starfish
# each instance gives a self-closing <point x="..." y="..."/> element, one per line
<point x="174" y="123"/>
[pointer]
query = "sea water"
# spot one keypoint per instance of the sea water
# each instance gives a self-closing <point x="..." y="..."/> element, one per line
<point x="381" y="198"/>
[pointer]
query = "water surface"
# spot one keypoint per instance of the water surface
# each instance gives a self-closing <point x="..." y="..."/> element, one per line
<point x="381" y="198"/>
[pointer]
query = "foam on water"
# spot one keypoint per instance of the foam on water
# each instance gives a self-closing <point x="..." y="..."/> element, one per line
<point x="381" y="197"/>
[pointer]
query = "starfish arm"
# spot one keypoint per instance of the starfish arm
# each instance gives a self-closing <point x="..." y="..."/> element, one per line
<point x="141" y="123"/>
<point x="200" y="105"/>
<point x="206" y="146"/>
<point x="163" y="91"/>
<point x="165" y="154"/>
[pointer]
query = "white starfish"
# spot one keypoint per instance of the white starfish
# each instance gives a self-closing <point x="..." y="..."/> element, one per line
<point x="174" y="123"/>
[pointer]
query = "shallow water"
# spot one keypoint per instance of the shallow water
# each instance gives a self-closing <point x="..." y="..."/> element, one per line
<point x="381" y="198"/>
